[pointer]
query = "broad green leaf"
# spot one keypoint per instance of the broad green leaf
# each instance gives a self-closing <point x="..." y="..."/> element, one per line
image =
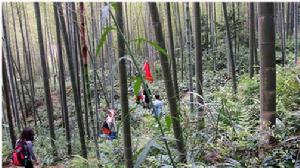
<point x="153" y="44"/>
<point x="137" y="85"/>
<point x="103" y="38"/>
<point x="168" y="121"/>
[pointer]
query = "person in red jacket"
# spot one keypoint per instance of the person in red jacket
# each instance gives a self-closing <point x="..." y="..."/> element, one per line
<point x="148" y="75"/>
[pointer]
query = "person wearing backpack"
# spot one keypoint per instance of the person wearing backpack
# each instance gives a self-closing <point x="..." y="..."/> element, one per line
<point x="23" y="154"/>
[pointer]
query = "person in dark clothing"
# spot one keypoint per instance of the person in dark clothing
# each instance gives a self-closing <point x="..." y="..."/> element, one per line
<point x="146" y="97"/>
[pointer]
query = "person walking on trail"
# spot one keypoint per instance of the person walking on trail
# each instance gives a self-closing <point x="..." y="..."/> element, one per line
<point x="23" y="154"/>
<point x="146" y="98"/>
<point x="157" y="106"/>
<point x="109" y="125"/>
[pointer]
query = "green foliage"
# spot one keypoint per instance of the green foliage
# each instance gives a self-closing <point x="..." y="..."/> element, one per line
<point x="103" y="38"/>
<point x="137" y="85"/>
<point x="153" y="44"/>
<point x="80" y="162"/>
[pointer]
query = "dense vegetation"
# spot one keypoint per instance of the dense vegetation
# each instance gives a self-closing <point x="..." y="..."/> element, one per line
<point x="220" y="69"/>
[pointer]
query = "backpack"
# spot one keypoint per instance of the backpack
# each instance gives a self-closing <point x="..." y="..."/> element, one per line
<point x="105" y="128"/>
<point x="20" y="154"/>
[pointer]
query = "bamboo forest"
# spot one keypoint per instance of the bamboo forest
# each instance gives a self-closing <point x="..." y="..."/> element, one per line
<point x="150" y="84"/>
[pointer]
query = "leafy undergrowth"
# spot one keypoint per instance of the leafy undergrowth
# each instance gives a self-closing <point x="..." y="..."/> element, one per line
<point x="230" y="137"/>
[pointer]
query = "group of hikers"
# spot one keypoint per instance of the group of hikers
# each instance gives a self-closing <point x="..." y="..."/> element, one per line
<point x="23" y="154"/>
<point x="109" y="124"/>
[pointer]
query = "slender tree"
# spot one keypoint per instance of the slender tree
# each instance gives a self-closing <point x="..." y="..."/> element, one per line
<point x="231" y="64"/>
<point x="45" y="77"/>
<point x="123" y="88"/>
<point x="62" y="80"/>
<point x="87" y="87"/>
<point x="251" y="39"/>
<point x="7" y="103"/>
<point x="266" y="31"/>
<point x="212" y="34"/>
<point x="188" y="44"/>
<point x="168" y="82"/>
<point x="172" y="51"/>
<point x="27" y="53"/>
<point x="73" y="82"/>
<point x="282" y="34"/>
<point x="180" y="38"/>
<point x="198" y="59"/>
<point x="85" y="64"/>
<point x="296" y="30"/>
<point x="12" y="82"/>
<point x="19" y="65"/>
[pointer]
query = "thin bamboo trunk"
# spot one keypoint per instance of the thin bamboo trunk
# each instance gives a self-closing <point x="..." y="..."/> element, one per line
<point x="10" y="73"/>
<point x="251" y="39"/>
<point x="123" y="89"/>
<point x="296" y="31"/>
<point x="266" y="31"/>
<point x="45" y="77"/>
<point x="168" y="83"/>
<point x="7" y="101"/>
<point x="231" y="64"/>
<point x="172" y="50"/>
<point x="62" y="80"/>
<point x="198" y="61"/>
<point x="188" y="44"/>
<point x="73" y="83"/>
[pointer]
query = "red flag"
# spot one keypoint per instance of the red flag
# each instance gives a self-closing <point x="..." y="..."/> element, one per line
<point x="148" y="76"/>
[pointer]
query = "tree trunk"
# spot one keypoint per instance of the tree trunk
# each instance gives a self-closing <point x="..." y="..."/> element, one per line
<point x="231" y="64"/>
<point x="212" y="34"/>
<point x="19" y="65"/>
<point x="282" y="34"/>
<point x="168" y="83"/>
<point x="292" y="14"/>
<point x="251" y="39"/>
<point x="7" y="102"/>
<point x="45" y="77"/>
<point x="85" y="67"/>
<point x="85" y="63"/>
<point x="180" y="39"/>
<point x="172" y="52"/>
<point x="296" y="30"/>
<point x="62" y="80"/>
<point x="198" y="60"/>
<point x="73" y="83"/>
<point x="266" y="31"/>
<point x="10" y="73"/>
<point x="123" y="89"/>
<point x="29" y="68"/>
<point x="188" y="43"/>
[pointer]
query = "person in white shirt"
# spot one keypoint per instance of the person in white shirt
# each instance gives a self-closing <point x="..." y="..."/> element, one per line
<point x="157" y="106"/>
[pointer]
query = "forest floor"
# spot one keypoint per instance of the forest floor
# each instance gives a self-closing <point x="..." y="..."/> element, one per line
<point x="229" y="138"/>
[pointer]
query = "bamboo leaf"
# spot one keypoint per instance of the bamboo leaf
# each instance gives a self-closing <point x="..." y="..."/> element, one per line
<point x="153" y="44"/>
<point x="103" y="38"/>
<point x="143" y="155"/>
<point x="168" y="121"/>
<point x="137" y="85"/>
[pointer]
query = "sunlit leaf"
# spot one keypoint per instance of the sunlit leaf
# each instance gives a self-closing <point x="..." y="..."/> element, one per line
<point x="137" y="85"/>
<point x="168" y="121"/>
<point x="103" y="38"/>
